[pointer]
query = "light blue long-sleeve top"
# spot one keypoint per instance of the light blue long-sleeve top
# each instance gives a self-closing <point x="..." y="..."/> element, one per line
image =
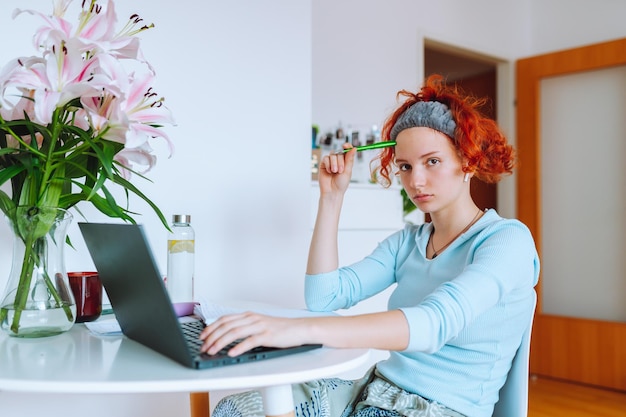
<point x="466" y="309"/>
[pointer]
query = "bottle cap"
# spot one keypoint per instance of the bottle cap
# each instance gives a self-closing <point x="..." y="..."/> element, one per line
<point x="181" y="218"/>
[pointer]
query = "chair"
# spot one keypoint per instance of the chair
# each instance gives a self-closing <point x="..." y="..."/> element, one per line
<point x="513" y="400"/>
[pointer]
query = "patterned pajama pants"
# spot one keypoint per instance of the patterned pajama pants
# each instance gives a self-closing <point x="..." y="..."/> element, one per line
<point x="371" y="396"/>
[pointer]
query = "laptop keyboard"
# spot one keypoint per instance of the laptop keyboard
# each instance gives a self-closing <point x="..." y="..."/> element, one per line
<point x="192" y="330"/>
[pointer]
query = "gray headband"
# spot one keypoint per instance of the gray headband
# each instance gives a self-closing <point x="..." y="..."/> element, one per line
<point x="431" y="114"/>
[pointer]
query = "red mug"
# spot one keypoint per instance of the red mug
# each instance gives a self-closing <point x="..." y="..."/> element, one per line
<point x="87" y="290"/>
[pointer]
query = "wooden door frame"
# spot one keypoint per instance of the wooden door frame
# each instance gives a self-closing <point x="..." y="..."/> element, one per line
<point x="557" y="341"/>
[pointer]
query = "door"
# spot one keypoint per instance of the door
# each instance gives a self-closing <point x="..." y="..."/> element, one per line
<point x="572" y="196"/>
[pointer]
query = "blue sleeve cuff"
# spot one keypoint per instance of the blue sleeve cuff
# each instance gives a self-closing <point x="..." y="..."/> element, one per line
<point x="421" y="331"/>
<point x="320" y="291"/>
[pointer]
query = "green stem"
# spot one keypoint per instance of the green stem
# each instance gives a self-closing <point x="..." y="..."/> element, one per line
<point x="47" y="179"/>
<point x="23" y="286"/>
<point x="35" y="247"/>
<point x="58" y="300"/>
<point x="3" y="313"/>
<point x="23" y="144"/>
<point x="55" y="294"/>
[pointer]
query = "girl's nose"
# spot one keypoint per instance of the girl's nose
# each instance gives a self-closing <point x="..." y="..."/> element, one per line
<point x="417" y="179"/>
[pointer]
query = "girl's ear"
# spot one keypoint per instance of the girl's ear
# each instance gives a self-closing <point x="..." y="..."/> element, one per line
<point x="469" y="172"/>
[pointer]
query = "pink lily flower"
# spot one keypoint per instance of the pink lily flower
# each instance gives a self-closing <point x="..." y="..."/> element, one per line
<point x="105" y="117"/>
<point x="130" y="158"/>
<point x="62" y="77"/>
<point x="85" y="61"/>
<point x="95" y="30"/>
<point x="145" y="110"/>
<point x="56" y="30"/>
<point x="98" y="33"/>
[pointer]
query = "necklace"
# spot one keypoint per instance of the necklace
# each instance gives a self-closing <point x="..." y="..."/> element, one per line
<point x="432" y="245"/>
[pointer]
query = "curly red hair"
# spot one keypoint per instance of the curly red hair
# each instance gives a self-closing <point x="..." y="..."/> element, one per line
<point x="477" y="138"/>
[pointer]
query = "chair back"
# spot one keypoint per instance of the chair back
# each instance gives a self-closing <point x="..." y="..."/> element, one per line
<point x="513" y="401"/>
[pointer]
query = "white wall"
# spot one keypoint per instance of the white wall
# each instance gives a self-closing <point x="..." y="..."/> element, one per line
<point x="364" y="52"/>
<point x="564" y="24"/>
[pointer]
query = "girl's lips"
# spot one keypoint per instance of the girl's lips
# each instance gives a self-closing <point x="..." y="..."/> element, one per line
<point x="420" y="198"/>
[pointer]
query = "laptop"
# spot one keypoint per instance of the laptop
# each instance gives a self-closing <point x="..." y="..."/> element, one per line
<point x="142" y="306"/>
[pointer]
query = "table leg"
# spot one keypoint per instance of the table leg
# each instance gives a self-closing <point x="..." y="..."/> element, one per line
<point x="278" y="401"/>
<point x="199" y="404"/>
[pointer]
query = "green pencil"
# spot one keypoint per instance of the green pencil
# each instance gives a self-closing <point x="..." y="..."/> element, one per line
<point x="376" y="145"/>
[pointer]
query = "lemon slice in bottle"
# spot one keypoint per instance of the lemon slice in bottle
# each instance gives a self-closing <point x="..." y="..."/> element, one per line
<point x="177" y="246"/>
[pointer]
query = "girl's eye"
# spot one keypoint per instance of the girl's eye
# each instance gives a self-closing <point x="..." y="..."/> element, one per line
<point x="404" y="167"/>
<point x="432" y="161"/>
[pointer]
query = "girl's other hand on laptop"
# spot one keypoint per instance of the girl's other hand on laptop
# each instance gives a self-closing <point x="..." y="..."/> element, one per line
<point x="254" y="330"/>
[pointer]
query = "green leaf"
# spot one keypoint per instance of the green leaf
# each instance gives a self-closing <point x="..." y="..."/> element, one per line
<point x="99" y="184"/>
<point x="75" y="166"/>
<point x="28" y="196"/>
<point x="10" y="172"/>
<point x="106" y="205"/>
<point x="48" y="161"/>
<point x="129" y="186"/>
<point x="34" y="222"/>
<point x="6" y="204"/>
<point x="105" y="151"/>
<point x="70" y="200"/>
<point x="6" y="151"/>
<point x="53" y="189"/>
<point x="110" y="208"/>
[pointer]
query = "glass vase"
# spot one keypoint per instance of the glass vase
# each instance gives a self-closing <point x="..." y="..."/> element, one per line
<point x="38" y="301"/>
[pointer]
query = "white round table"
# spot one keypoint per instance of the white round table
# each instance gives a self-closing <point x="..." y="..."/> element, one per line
<point x="81" y="362"/>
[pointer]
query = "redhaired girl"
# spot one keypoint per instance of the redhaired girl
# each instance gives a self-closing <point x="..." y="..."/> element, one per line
<point x="464" y="281"/>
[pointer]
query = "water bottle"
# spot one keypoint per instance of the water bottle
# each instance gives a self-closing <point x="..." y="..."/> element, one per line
<point x="180" y="259"/>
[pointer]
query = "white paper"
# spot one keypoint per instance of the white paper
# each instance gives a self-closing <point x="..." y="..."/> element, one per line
<point x="210" y="311"/>
<point x="109" y="327"/>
